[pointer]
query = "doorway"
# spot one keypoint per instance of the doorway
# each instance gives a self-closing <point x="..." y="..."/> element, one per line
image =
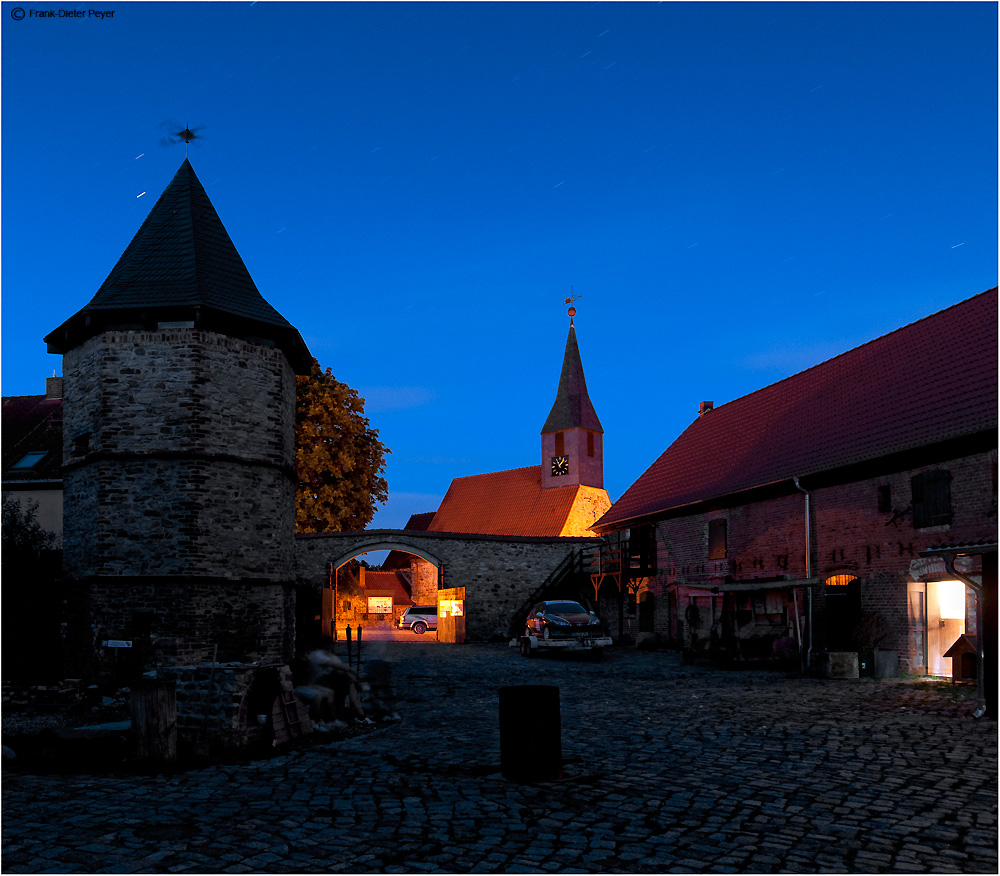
<point x="936" y="611"/>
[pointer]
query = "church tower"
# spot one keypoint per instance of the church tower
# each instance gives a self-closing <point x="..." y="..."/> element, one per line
<point x="572" y="437"/>
<point x="179" y="418"/>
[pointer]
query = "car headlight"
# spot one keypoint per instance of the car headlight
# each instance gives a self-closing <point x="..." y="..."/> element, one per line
<point x="558" y="621"/>
<point x="595" y="621"/>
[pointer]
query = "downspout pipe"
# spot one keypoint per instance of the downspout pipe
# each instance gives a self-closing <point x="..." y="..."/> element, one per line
<point x="977" y="589"/>
<point x="809" y="592"/>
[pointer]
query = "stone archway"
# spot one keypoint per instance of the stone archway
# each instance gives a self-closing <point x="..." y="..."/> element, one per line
<point x="382" y="544"/>
<point x="498" y="573"/>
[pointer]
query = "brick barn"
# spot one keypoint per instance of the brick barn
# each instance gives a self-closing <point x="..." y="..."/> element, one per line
<point x="792" y="521"/>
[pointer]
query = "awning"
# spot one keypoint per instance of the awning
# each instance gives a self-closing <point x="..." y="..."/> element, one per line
<point x="749" y="586"/>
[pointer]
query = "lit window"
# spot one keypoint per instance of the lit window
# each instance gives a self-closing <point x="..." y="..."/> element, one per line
<point x="840" y="580"/>
<point x="30" y="460"/>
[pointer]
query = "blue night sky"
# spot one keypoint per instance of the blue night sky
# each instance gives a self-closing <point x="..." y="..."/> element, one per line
<point x="736" y="191"/>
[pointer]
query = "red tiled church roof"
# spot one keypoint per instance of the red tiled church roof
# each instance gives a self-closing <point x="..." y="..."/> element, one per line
<point x="394" y="584"/>
<point x="927" y="382"/>
<point x="505" y="503"/>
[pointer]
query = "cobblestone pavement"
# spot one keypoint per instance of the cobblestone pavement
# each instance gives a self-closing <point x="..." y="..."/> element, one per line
<point x="668" y="768"/>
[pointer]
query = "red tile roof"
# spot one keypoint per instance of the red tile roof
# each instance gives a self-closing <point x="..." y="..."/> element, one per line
<point x="927" y="382"/>
<point x="420" y="521"/>
<point x="392" y="584"/>
<point x="505" y="503"/>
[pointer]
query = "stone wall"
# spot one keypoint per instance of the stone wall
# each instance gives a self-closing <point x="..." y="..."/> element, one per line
<point x="850" y="535"/>
<point x="219" y="705"/>
<point x="179" y="447"/>
<point x="498" y="574"/>
<point x="179" y="500"/>
<point x="175" y="621"/>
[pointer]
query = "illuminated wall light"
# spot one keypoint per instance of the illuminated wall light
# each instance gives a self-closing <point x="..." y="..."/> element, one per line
<point x="951" y="595"/>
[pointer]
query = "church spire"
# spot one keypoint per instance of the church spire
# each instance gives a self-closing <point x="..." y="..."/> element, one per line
<point x="572" y="437"/>
<point x="572" y="406"/>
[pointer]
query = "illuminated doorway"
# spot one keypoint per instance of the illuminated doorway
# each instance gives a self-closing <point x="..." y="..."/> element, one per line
<point x="936" y="612"/>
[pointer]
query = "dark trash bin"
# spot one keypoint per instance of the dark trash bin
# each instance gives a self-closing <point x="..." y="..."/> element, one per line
<point x="530" y="733"/>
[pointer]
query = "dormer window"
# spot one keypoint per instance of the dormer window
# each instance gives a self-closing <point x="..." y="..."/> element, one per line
<point x="30" y="460"/>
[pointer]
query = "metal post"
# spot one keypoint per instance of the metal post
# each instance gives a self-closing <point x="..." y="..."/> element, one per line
<point x="359" y="647"/>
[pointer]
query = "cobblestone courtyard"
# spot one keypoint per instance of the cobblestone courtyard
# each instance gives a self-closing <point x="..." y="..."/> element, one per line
<point x="668" y="768"/>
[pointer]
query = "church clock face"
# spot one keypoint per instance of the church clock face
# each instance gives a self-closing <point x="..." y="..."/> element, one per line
<point x="560" y="465"/>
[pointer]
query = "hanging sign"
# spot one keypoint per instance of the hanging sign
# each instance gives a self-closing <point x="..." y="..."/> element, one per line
<point x="117" y="643"/>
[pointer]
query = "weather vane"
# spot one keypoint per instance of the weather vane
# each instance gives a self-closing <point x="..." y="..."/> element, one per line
<point x="570" y="300"/>
<point x="187" y="135"/>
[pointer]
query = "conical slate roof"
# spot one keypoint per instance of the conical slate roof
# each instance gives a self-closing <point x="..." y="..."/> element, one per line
<point x="572" y="406"/>
<point x="182" y="265"/>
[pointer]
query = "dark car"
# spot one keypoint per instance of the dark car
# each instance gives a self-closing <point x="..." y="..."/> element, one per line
<point x="562" y="619"/>
<point x="418" y="618"/>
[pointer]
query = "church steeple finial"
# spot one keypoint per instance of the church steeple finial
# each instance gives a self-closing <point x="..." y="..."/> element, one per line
<point x="572" y="444"/>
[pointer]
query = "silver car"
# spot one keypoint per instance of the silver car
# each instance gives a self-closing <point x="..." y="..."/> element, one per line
<point x="419" y="618"/>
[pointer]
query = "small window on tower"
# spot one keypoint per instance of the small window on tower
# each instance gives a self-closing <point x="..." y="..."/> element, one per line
<point x="885" y="499"/>
<point x="560" y="444"/>
<point x="590" y="444"/>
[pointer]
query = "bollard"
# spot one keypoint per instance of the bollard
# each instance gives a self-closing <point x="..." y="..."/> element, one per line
<point x="359" y="649"/>
<point x="530" y="733"/>
<point x="347" y="631"/>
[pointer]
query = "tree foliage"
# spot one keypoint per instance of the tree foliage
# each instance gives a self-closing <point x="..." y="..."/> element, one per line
<point x="339" y="459"/>
<point x="22" y="533"/>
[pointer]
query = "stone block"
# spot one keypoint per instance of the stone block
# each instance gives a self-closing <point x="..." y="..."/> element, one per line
<point x="838" y="664"/>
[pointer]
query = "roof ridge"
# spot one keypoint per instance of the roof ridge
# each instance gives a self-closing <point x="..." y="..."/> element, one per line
<point x="860" y="346"/>
<point x="501" y="471"/>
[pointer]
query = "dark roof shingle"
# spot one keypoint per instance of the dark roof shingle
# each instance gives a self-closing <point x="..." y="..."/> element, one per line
<point x="182" y="262"/>
<point x="572" y="406"/>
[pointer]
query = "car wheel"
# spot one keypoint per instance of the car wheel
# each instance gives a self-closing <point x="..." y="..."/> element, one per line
<point x="419" y="628"/>
<point x="545" y="633"/>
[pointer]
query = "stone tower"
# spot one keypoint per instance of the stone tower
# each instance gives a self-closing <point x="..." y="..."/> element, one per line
<point x="179" y="415"/>
<point x="572" y="437"/>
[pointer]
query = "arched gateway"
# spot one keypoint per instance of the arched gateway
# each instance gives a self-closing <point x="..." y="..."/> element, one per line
<point x="502" y="575"/>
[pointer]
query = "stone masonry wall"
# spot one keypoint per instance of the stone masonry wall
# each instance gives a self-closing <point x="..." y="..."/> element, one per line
<point x="173" y="621"/>
<point x="180" y="451"/>
<point x="498" y="574"/>
<point x="849" y="536"/>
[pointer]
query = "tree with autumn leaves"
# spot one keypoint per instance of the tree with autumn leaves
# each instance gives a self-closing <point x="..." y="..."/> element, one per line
<point x="338" y="457"/>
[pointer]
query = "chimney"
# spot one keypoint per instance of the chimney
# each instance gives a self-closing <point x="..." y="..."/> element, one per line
<point x="53" y="386"/>
<point x="361" y="577"/>
<point x="704" y="408"/>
